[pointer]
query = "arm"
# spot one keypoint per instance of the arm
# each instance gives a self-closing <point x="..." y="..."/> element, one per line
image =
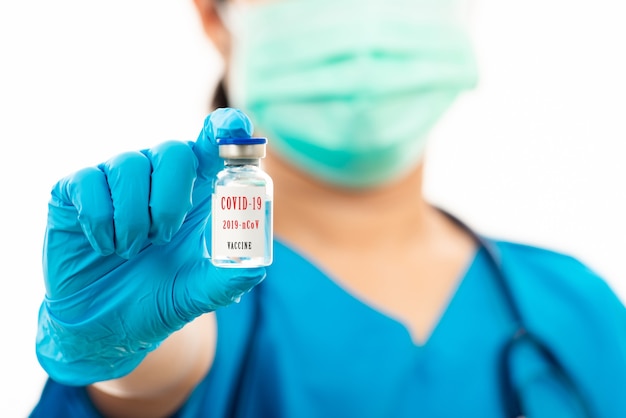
<point x="163" y="381"/>
<point x="126" y="270"/>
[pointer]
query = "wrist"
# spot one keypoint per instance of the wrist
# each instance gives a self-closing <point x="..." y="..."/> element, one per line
<point x="181" y="360"/>
<point x="165" y="379"/>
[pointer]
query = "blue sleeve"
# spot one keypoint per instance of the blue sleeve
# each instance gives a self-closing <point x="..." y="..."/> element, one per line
<point x="61" y="401"/>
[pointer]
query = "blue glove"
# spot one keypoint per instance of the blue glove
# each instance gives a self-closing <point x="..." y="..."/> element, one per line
<point x="125" y="256"/>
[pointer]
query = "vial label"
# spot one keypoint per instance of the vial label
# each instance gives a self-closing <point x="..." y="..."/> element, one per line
<point x="239" y="223"/>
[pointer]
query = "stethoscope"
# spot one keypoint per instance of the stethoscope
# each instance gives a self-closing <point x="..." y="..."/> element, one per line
<point x="510" y="397"/>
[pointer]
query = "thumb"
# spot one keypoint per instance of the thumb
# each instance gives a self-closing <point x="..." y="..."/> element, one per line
<point x="201" y="287"/>
<point x="221" y="123"/>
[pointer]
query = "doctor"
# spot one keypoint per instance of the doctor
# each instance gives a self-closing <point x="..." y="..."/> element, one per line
<point x="377" y="304"/>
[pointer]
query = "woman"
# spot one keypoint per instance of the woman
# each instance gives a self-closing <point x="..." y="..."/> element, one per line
<point x="377" y="304"/>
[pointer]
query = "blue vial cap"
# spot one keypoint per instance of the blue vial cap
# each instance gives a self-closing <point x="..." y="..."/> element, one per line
<point x="241" y="141"/>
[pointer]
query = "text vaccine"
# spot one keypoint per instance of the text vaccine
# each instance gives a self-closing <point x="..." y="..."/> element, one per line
<point x="242" y="232"/>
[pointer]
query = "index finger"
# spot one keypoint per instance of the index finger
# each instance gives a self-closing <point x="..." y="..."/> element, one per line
<point x="222" y="123"/>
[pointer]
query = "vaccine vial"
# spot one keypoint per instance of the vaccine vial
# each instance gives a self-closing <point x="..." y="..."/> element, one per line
<point x="242" y="232"/>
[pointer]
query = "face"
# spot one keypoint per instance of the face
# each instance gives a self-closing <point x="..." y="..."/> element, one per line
<point x="359" y="121"/>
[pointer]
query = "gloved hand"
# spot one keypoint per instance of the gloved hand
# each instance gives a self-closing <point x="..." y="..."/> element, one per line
<point x="125" y="256"/>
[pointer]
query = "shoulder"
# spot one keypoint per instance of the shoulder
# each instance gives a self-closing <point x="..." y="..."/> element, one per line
<point x="557" y="290"/>
<point x="558" y="295"/>
<point x="531" y="269"/>
<point x="539" y="258"/>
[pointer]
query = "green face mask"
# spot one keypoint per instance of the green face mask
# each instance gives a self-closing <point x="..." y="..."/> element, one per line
<point x="347" y="90"/>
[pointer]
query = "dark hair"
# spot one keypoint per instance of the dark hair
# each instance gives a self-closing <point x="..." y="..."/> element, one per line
<point x="219" y="96"/>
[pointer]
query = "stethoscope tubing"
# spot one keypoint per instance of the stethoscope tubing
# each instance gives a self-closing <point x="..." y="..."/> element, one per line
<point x="510" y="397"/>
<point x="511" y="401"/>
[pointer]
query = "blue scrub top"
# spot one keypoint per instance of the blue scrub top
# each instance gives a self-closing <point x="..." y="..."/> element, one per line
<point x="299" y="345"/>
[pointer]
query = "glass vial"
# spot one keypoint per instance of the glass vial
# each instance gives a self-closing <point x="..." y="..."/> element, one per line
<point x="242" y="232"/>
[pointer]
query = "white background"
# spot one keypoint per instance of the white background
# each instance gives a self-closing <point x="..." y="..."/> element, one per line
<point x="535" y="154"/>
